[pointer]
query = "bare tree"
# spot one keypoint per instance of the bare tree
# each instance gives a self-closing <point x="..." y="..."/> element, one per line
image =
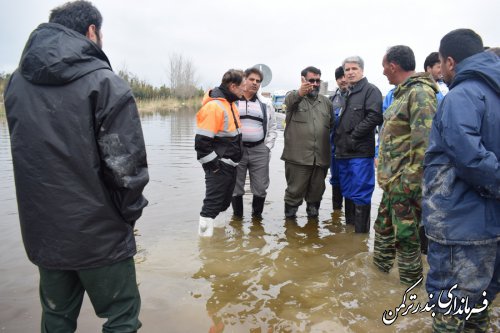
<point x="182" y="76"/>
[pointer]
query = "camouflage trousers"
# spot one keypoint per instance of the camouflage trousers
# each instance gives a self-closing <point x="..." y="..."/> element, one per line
<point x="396" y="232"/>
<point x="477" y="323"/>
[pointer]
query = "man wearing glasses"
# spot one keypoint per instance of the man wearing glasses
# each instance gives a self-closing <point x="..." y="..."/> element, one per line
<point x="355" y="144"/>
<point x="307" y="144"/>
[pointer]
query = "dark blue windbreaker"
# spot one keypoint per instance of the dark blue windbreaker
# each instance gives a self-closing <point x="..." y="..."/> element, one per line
<point x="461" y="193"/>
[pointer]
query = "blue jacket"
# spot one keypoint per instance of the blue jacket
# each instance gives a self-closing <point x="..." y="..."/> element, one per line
<point x="461" y="193"/>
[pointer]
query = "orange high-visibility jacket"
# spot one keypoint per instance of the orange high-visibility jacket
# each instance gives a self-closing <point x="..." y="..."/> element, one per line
<point x="218" y="134"/>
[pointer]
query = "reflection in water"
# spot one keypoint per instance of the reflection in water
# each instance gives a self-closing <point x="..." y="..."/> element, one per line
<point x="273" y="275"/>
<point x="289" y="282"/>
<point x="231" y="261"/>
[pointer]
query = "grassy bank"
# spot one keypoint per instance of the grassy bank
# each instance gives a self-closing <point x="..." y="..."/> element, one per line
<point x="153" y="105"/>
<point x="166" y="104"/>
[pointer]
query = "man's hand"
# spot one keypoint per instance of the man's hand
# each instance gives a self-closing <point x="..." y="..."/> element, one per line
<point x="305" y="87"/>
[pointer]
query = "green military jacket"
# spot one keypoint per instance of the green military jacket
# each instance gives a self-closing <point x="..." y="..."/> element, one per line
<point x="405" y="134"/>
<point x="307" y="130"/>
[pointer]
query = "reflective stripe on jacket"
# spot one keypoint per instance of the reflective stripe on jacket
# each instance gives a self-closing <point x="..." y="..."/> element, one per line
<point x="218" y="134"/>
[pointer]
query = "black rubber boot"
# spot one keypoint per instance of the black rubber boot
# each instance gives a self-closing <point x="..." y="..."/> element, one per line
<point x="362" y="218"/>
<point x="290" y="211"/>
<point x="349" y="211"/>
<point x="237" y="203"/>
<point x="424" y="242"/>
<point x="312" y="209"/>
<point x="336" y="198"/>
<point x="258" y="206"/>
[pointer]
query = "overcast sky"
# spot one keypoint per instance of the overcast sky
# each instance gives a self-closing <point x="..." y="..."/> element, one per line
<point x="285" y="35"/>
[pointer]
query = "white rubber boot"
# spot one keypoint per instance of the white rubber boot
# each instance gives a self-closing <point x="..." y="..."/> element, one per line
<point x="206" y="227"/>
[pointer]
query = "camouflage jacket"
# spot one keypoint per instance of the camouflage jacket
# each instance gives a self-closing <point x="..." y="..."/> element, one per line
<point x="405" y="135"/>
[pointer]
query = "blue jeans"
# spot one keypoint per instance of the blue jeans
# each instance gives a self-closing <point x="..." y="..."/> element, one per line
<point x="473" y="268"/>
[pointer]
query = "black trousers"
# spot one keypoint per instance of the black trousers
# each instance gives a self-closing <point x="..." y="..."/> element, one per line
<point x="219" y="190"/>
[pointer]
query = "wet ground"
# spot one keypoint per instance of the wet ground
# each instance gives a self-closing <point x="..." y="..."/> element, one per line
<point x="251" y="276"/>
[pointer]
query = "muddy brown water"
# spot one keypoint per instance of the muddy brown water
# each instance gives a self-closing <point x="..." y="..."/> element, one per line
<point x="268" y="276"/>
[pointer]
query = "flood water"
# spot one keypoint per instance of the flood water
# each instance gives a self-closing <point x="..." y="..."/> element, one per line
<point x="251" y="276"/>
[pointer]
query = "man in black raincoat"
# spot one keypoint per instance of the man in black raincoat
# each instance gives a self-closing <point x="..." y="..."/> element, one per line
<point x="80" y="168"/>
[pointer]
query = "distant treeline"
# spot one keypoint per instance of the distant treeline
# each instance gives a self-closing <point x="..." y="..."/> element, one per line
<point x="141" y="89"/>
<point x="4" y="78"/>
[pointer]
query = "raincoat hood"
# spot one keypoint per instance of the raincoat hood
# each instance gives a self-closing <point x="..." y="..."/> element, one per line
<point x="461" y="192"/>
<point x="56" y="55"/>
<point x="417" y="78"/>
<point x="78" y="153"/>
<point x="484" y="66"/>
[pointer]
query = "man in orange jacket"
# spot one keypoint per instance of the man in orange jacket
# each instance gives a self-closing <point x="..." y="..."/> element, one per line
<point x="218" y="146"/>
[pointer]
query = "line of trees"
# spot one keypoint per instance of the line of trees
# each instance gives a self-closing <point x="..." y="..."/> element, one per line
<point x="182" y="82"/>
<point x="4" y="79"/>
<point x="143" y="90"/>
<point x="182" y="77"/>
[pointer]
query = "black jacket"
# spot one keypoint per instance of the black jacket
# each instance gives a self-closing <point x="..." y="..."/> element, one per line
<point x="78" y="152"/>
<point x="355" y="131"/>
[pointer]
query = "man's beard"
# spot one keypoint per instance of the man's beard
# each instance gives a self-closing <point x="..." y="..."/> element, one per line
<point x="314" y="93"/>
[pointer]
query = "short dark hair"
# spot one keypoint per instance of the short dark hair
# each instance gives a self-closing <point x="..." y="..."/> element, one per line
<point x="253" y="70"/>
<point x="232" y="76"/>
<point x="401" y="55"/>
<point x="310" y="69"/>
<point x="460" y="44"/>
<point x="431" y="60"/>
<point x="77" y="15"/>
<point x="339" y="72"/>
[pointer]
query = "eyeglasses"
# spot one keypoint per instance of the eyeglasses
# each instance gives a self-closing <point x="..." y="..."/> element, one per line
<point x="312" y="81"/>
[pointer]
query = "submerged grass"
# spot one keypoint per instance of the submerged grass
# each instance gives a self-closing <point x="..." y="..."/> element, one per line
<point x="166" y="104"/>
<point x="152" y="105"/>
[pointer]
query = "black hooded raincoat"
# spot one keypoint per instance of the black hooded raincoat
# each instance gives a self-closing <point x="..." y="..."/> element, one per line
<point x="78" y="152"/>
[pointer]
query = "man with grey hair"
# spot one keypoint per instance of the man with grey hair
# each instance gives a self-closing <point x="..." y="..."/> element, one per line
<point x="355" y="144"/>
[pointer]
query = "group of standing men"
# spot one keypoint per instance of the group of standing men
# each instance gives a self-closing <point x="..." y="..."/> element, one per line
<point x="236" y="130"/>
<point x="80" y="166"/>
<point x="459" y="150"/>
<point x="349" y="119"/>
